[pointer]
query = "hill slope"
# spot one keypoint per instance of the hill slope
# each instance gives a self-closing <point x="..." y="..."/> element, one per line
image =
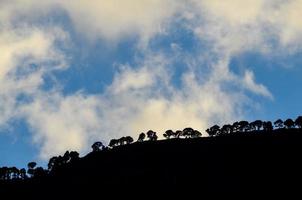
<point x="254" y="162"/>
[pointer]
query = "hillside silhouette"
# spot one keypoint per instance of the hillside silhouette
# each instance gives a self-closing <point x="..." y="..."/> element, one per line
<point x="242" y="158"/>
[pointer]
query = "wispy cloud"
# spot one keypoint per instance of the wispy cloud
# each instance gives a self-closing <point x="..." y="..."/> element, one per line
<point x="72" y="122"/>
<point x="142" y="95"/>
<point x="26" y="55"/>
<point x="249" y="83"/>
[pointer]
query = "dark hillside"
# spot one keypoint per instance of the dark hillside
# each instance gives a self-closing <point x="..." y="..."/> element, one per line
<point x="260" y="161"/>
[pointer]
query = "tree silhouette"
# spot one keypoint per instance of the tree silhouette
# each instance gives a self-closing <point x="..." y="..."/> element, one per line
<point x="74" y="156"/>
<point x="226" y="129"/>
<point x="213" y="131"/>
<point x="155" y="137"/>
<point x="113" y="143"/>
<point x="243" y="126"/>
<point x="141" y="137"/>
<point x="121" y="141"/>
<point x="14" y="172"/>
<point x="279" y="123"/>
<point x="151" y="135"/>
<point x="66" y="157"/>
<point x="39" y="172"/>
<point x="267" y="126"/>
<point x="2" y="173"/>
<point x="196" y="134"/>
<point x="23" y="174"/>
<point x="177" y="134"/>
<point x="60" y="162"/>
<point x="235" y="127"/>
<point x="31" y="165"/>
<point x="52" y="163"/>
<point x="257" y="124"/>
<point x="289" y="123"/>
<point x="31" y="168"/>
<point x="187" y="132"/>
<point x="56" y="162"/>
<point x="168" y="134"/>
<point x="97" y="146"/>
<point x="8" y="171"/>
<point x="128" y="139"/>
<point x="298" y="122"/>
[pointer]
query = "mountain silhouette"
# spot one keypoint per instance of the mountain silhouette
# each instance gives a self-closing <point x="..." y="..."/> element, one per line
<point x="243" y="158"/>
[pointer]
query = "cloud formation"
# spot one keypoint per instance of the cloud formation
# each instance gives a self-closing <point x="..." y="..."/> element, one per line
<point x="115" y="19"/>
<point x="251" y="25"/>
<point x="142" y="96"/>
<point x="27" y="53"/>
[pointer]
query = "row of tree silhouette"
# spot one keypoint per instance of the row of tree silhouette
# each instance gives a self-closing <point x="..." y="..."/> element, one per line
<point x="13" y="173"/>
<point x="151" y="135"/>
<point x="258" y="125"/>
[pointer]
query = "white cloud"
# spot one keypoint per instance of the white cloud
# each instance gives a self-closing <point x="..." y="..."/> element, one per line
<point x="288" y="21"/>
<point x="234" y="11"/>
<point x="111" y="20"/>
<point x="251" y="20"/>
<point x="132" y="80"/>
<point x="236" y="26"/>
<point x="249" y="83"/>
<point x="116" y="19"/>
<point x="26" y="54"/>
<point x="163" y="106"/>
<point x="61" y="123"/>
<point x="142" y="96"/>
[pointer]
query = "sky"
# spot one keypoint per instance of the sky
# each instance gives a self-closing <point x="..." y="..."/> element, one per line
<point x="75" y="72"/>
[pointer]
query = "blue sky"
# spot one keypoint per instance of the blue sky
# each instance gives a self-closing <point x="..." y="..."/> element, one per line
<point x="75" y="72"/>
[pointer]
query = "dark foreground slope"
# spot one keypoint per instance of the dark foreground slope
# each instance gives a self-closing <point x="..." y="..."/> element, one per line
<point x="244" y="163"/>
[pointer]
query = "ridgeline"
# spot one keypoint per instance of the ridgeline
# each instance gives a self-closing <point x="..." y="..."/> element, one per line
<point x="244" y="161"/>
